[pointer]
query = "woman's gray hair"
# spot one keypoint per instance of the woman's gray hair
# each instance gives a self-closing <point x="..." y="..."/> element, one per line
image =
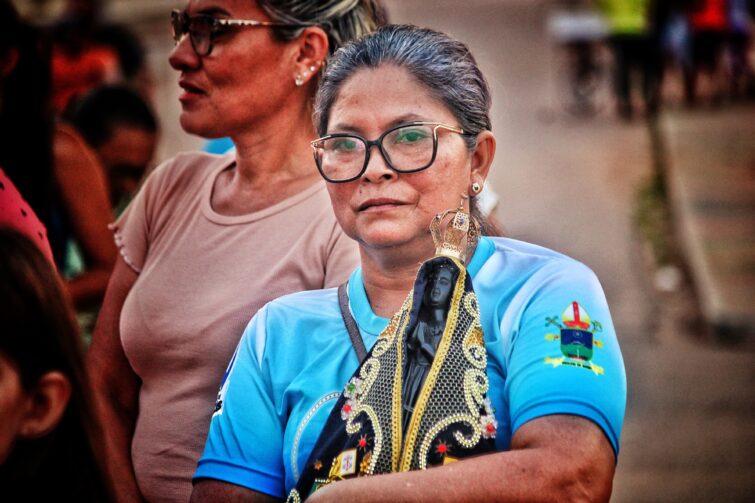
<point x="444" y="65"/>
<point x="343" y="20"/>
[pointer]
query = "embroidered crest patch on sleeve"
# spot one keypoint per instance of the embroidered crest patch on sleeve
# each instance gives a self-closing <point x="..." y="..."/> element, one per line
<point x="577" y="339"/>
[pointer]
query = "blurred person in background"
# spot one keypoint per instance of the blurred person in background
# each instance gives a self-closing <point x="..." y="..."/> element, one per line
<point x="79" y="60"/>
<point x="88" y="51"/>
<point x="118" y="124"/>
<point x="633" y="51"/>
<point x="708" y="22"/>
<point x="742" y="78"/>
<point x="50" y="439"/>
<point x="208" y="240"/>
<point x="48" y="161"/>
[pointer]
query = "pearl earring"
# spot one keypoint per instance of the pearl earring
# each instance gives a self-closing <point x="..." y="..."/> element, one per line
<point x="298" y="80"/>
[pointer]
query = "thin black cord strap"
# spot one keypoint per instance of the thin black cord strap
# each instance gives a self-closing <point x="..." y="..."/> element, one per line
<point x="351" y="324"/>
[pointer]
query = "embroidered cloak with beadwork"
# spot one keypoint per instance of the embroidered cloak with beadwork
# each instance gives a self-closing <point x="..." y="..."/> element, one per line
<point x="451" y="418"/>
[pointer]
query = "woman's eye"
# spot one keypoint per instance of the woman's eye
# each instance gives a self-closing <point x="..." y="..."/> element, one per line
<point x="344" y="144"/>
<point x="411" y="136"/>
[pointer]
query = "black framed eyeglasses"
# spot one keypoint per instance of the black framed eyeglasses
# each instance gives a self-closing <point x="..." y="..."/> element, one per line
<point x="406" y="148"/>
<point x="202" y="28"/>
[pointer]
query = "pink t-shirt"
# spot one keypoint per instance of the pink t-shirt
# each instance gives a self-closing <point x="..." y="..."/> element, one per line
<point x="202" y="276"/>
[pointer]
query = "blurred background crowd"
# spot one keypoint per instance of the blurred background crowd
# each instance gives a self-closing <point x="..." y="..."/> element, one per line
<point x="82" y="101"/>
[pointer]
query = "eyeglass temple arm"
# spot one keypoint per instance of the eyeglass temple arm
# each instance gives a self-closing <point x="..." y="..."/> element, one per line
<point x="252" y="22"/>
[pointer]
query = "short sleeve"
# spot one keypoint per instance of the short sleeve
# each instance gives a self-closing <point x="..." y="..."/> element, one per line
<point x="343" y="258"/>
<point x="565" y="357"/>
<point x="131" y="230"/>
<point x="245" y="443"/>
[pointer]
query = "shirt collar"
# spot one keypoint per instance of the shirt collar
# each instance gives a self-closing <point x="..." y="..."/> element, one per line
<point x="373" y="324"/>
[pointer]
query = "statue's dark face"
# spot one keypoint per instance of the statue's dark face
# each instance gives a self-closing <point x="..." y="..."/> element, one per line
<point x="440" y="288"/>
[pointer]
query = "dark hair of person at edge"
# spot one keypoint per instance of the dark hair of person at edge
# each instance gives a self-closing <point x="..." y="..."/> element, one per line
<point x="26" y="122"/>
<point x="51" y="440"/>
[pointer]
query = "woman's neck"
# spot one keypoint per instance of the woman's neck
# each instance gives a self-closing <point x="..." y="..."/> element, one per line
<point x="389" y="274"/>
<point x="273" y="163"/>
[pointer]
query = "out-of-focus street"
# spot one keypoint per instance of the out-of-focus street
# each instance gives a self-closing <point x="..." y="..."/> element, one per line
<point x="571" y="184"/>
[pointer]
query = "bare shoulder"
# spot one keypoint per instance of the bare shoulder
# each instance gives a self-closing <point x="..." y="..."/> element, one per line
<point x="69" y="146"/>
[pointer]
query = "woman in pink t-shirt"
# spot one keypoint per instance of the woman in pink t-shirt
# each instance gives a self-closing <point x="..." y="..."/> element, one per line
<point x="209" y="240"/>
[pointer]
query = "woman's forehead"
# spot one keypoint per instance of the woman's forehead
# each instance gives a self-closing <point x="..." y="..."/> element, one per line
<point x="387" y="94"/>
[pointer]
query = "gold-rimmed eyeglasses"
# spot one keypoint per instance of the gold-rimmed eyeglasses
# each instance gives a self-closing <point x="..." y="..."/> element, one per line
<point x="203" y="28"/>
<point x="406" y="148"/>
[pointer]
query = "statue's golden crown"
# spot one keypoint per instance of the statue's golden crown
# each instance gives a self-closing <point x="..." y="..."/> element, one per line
<point x="455" y="235"/>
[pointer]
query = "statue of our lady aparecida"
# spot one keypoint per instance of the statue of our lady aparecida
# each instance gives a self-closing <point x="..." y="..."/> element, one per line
<point x="419" y="397"/>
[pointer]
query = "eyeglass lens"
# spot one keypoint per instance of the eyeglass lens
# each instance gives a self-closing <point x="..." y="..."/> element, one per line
<point x="199" y="28"/>
<point x="408" y="148"/>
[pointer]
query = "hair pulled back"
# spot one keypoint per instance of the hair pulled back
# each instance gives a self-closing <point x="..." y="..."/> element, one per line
<point x="343" y="20"/>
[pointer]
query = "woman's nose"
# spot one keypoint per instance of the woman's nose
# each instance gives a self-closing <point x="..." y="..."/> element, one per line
<point x="183" y="56"/>
<point x="377" y="167"/>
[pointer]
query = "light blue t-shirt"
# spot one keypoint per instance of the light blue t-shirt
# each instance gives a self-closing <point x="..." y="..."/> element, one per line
<point x="551" y="349"/>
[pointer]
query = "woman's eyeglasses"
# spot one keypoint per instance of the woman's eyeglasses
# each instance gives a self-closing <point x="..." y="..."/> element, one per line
<point x="407" y="148"/>
<point x="202" y="28"/>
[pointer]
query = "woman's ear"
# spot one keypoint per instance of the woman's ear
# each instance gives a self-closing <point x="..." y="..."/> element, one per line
<point x="313" y="50"/>
<point x="482" y="158"/>
<point x="45" y="405"/>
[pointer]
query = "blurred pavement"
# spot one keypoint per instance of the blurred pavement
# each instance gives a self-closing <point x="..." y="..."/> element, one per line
<point x="711" y="160"/>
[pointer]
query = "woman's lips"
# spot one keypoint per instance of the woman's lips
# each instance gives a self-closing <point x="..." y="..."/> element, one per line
<point x="377" y="205"/>
<point x="191" y="92"/>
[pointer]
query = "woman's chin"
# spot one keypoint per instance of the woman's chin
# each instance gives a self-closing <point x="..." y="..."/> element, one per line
<point x="198" y="126"/>
<point x="391" y="241"/>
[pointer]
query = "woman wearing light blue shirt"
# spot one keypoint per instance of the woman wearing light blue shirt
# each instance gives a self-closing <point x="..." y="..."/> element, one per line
<point x="555" y="382"/>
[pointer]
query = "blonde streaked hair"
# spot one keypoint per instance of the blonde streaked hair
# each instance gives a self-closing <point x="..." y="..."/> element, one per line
<point x="343" y="20"/>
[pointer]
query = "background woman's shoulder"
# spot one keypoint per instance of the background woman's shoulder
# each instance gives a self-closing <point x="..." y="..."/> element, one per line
<point x="186" y="170"/>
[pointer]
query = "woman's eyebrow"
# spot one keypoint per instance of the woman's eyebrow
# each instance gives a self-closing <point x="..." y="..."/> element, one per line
<point x="213" y="11"/>
<point x="345" y="126"/>
<point x="403" y="119"/>
<point x="410" y="117"/>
